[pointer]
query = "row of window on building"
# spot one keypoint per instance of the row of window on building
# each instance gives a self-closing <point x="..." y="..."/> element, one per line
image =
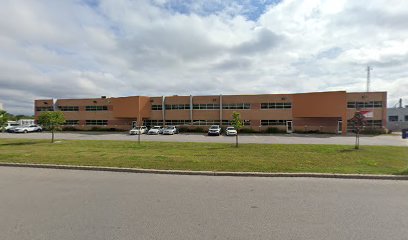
<point x="182" y="122"/>
<point x="369" y="124"/>
<point x="371" y="104"/>
<point x="72" y="108"/>
<point x="224" y="106"/>
<point x="286" y="105"/>
<point x="396" y="118"/>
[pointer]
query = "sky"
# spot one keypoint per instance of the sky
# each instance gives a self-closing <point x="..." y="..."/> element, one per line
<point x="90" y="48"/>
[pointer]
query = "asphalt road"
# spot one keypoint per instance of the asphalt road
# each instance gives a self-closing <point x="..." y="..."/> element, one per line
<point x="67" y="204"/>
<point x="385" y="140"/>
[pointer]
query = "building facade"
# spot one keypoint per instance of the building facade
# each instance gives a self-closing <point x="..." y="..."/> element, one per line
<point x="397" y="118"/>
<point x="304" y="112"/>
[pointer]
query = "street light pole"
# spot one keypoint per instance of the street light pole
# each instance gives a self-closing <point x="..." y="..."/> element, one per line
<point x="138" y="120"/>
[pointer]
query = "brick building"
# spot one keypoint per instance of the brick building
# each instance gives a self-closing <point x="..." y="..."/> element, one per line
<point x="317" y="111"/>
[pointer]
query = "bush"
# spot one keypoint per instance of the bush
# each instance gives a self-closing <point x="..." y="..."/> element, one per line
<point x="192" y="130"/>
<point x="70" y="128"/>
<point x="102" y="129"/>
<point x="274" y="130"/>
<point x="247" y="130"/>
<point x="373" y="131"/>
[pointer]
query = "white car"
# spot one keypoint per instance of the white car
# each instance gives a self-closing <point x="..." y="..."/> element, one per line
<point x="26" y="129"/>
<point x="155" y="130"/>
<point x="214" y="130"/>
<point x="230" y="131"/>
<point x="10" y="127"/>
<point x="138" y="130"/>
<point x="170" y="130"/>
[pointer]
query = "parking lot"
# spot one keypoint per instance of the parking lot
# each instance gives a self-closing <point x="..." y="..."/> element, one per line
<point x="386" y="140"/>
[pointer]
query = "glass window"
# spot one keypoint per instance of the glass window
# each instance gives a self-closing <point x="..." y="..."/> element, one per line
<point x="351" y="105"/>
<point x="285" y="105"/>
<point x="273" y="122"/>
<point x="97" y="122"/>
<point x="157" y="107"/>
<point x="71" y="122"/>
<point x="44" y="109"/>
<point x="393" y="118"/>
<point x="96" y="108"/>
<point x="68" y="108"/>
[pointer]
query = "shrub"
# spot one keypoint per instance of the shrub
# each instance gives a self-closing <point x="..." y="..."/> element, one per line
<point x="102" y="129"/>
<point x="192" y="130"/>
<point x="274" y="130"/>
<point x="70" y="128"/>
<point x="373" y="131"/>
<point x="247" y="130"/>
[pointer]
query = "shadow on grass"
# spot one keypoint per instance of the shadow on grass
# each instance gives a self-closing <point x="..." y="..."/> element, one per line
<point x="19" y="143"/>
<point x="349" y="150"/>
<point x="404" y="172"/>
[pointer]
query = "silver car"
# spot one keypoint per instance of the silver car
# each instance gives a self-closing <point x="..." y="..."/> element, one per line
<point x="155" y="130"/>
<point x="27" y="129"/>
<point x="170" y="130"/>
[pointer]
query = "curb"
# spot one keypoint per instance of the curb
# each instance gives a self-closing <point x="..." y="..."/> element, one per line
<point x="208" y="173"/>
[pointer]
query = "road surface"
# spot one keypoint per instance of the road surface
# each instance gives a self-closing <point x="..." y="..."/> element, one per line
<point x="68" y="204"/>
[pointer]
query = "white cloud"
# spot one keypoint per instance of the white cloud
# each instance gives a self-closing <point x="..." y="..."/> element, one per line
<point x="66" y="49"/>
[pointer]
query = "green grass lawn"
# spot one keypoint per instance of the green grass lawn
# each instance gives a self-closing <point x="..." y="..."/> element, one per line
<point x="210" y="156"/>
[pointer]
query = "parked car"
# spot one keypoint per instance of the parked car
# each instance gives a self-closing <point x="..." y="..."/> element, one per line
<point x="170" y="130"/>
<point x="230" y="131"/>
<point x="138" y="130"/>
<point x="10" y="127"/>
<point x="155" y="130"/>
<point x="27" y="129"/>
<point x="214" y="130"/>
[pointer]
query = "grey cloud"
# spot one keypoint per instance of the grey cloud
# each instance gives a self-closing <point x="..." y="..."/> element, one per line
<point x="264" y="41"/>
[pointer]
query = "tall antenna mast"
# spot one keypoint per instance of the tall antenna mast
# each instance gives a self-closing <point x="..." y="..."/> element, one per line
<point x="368" y="77"/>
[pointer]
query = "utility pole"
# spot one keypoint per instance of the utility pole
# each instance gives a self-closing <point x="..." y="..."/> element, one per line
<point x="368" y="77"/>
<point x="138" y="120"/>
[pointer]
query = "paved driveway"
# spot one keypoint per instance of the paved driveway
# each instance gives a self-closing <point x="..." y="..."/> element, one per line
<point x="388" y="140"/>
<point x="65" y="204"/>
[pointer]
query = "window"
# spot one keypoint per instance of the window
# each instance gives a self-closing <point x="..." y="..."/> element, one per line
<point x="68" y="108"/>
<point x="206" y="106"/>
<point x="177" y="107"/>
<point x="153" y="122"/>
<point x="44" y="109"/>
<point x="273" y="122"/>
<point x="157" y="107"/>
<point x="206" y="122"/>
<point x="71" y="122"/>
<point x="406" y="118"/>
<point x="236" y="106"/>
<point x="369" y="124"/>
<point x="374" y="123"/>
<point x="96" y="108"/>
<point x="228" y="122"/>
<point x="177" y="122"/>
<point x="97" y="122"/>
<point x="286" y="105"/>
<point x="372" y="104"/>
<point x="393" y="118"/>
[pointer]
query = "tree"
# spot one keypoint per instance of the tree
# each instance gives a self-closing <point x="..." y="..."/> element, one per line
<point x="52" y="121"/>
<point x="358" y="122"/>
<point x="3" y="119"/>
<point x="237" y="123"/>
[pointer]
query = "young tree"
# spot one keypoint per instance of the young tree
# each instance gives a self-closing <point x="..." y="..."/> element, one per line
<point x="237" y="123"/>
<point x="52" y="121"/>
<point x="358" y="122"/>
<point x="3" y="119"/>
